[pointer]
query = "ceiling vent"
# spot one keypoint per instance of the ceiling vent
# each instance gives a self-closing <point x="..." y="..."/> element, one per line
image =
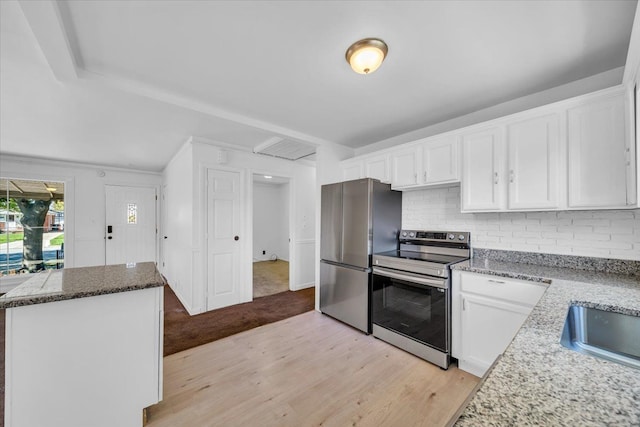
<point x="285" y="148"/>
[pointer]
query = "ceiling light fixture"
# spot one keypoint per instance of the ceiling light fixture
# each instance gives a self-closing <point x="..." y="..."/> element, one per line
<point x="366" y="55"/>
<point x="52" y="189"/>
<point x="268" y="176"/>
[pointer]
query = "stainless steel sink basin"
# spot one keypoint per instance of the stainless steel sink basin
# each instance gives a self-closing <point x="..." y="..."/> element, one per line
<point x="604" y="334"/>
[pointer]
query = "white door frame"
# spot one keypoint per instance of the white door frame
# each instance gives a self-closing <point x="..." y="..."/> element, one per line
<point x="162" y="228"/>
<point x="292" y="230"/>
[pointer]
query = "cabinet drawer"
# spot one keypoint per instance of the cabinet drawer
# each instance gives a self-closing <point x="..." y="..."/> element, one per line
<point x="518" y="291"/>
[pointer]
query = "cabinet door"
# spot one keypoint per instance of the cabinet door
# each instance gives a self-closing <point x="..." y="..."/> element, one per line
<point x="482" y="170"/>
<point x="534" y="154"/>
<point x="488" y="326"/>
<point x="440" y="160"/>
<point x="351" y="170"/>
<point x="377" y="167"/>
<point x="597" y="156"/>
<point x="405" y="167"/>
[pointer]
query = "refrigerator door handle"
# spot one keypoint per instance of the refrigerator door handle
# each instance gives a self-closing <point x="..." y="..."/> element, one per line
<point x="351" y="267"/>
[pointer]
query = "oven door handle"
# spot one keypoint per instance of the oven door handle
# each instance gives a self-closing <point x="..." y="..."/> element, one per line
<point x="411" y="278"/>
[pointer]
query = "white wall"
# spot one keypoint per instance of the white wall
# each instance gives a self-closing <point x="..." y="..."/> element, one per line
<point x="85" y="209"/>
<point x="605" y="233"/>
<point x="193" y="162"/>
<point x="270" y="221"/>
<point x="177" y="224"/>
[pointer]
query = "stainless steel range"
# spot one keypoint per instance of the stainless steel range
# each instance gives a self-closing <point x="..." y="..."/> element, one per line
<point x="411" y="292"/>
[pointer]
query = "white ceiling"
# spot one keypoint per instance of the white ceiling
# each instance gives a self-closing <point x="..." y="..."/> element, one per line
<point x="125" y="83"/>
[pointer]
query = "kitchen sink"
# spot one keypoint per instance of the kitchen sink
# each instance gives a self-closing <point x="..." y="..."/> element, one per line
<point x="608" y="335"/>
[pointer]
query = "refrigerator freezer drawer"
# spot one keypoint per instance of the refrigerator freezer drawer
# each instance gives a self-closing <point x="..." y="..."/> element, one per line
<point x="344" y="295"/>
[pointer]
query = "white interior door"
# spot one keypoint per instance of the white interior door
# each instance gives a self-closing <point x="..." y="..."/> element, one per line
<point x="223" y="238"/>
<point x="131" y="224"/>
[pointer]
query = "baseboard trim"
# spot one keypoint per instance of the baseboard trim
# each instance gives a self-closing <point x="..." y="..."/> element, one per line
<point x="187" y="307"/>
<point x="303" y="286"/>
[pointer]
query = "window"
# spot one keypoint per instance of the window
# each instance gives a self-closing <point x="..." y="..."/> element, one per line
<point x="132" y="213"/>
<point x="31" y="226"/>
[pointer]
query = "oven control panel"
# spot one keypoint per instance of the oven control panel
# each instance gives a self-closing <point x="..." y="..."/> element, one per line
<point x="435" y="236"/>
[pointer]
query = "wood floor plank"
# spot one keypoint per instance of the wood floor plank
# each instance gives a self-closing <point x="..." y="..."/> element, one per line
<point x="308" y="370"/>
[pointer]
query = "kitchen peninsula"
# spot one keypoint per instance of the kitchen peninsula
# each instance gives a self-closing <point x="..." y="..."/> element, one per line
<point x="84" y="346"/>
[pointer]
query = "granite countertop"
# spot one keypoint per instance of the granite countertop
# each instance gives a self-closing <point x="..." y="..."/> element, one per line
<point x="537" y="381"/>
<point x="72" y="283"/>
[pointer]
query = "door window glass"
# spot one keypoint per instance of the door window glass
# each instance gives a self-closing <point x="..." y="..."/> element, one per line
<point x="132" y="213"/>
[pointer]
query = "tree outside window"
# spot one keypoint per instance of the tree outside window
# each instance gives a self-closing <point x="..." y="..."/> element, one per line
<point x="31" y="226"/>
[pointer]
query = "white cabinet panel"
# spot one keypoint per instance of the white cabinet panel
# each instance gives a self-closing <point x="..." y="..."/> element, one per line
<point x="351" y="169"/>
<point x="405" y="167"/>
<point x="440" y="160"/>
<point x="533" y="147"/>
<point x="486" y="313"/>
<point x="488" y="327"/>
<point x="482" y="170"/>
<point x="87" y="361"/>
<point x="377" y="167"/>
<point x="598" y="154"/>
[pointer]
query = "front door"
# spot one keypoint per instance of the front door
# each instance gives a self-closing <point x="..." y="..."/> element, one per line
<point x="131" y="224"/>
<point x="223" y="238"/>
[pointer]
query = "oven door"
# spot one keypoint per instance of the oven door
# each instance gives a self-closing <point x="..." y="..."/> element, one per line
<point x="413" y="305"/>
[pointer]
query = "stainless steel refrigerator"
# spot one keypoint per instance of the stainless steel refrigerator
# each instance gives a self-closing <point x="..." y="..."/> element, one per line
<point x="358" y="218"/>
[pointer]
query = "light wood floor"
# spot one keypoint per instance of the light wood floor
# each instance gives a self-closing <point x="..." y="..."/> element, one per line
<point x="308" y="370"/>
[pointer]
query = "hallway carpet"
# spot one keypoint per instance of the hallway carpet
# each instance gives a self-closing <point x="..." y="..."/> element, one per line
<point x="270" y="277"/>
<point x="182" y="331"/>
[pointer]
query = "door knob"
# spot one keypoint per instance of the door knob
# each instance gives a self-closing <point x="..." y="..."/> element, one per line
<point x="236" y="238"/>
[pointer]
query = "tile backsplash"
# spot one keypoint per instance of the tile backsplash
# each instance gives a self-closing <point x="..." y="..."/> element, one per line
<point x="604" y="233"/>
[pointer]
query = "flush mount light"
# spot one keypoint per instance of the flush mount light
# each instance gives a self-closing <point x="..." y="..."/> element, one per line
<point x="366" y="55"/>
<point x="268" y="176"/>
<point x="52" y="189"/>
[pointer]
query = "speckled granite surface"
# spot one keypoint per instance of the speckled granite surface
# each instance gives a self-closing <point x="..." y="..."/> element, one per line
<point x="71" y="283"/>
<point x="620" y="266"/>
<point x="538" y="381"/>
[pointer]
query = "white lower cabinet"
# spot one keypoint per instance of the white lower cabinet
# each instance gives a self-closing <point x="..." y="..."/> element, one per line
<point x="487" y="312"/>
<point x="94" y="361"/>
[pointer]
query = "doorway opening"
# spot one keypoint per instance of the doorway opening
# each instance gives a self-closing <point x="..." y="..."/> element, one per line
<point x="270" y="234"/>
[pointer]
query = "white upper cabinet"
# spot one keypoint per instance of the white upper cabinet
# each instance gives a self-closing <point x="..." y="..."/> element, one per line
<point x="599" y="155"/>
<point x="482" y="170"/>
<point x="377" y="167"/>
<point x="405" y="167"/>
<point x="431" y="162"/>
<point x="534" y="156"/>
<point x="351" y="169"/>
<point x="440" y="160"/>
<point x="575" y="154"/>
<point x="520" y="172"/>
